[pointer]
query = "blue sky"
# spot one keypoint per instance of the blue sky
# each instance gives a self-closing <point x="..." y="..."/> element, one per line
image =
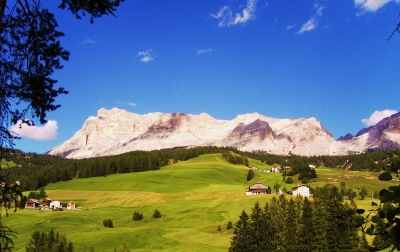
<point x="326" y="59"/>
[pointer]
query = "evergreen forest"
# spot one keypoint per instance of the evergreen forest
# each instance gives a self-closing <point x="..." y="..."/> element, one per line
<point x="34" y="171"/>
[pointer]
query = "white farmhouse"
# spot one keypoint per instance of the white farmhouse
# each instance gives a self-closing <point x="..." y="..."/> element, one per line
<point x="56" y="204"/>
<point x="301" y="190"/>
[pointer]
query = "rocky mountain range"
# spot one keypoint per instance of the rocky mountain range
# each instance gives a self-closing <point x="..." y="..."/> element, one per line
<point x="117" y="131"/>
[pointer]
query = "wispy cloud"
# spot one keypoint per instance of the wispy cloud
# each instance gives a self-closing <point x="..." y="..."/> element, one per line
<point x="133" y="104"/>
<point x="377" y="116"/>
<point x="202" y="51"/>
<point x="288" y="27"/>
<point x="312" y="23"/>
<point x="88" y="41"/>
<point x="372" y="5"/>
<point x="227" y="18"/>
<point x="308" y="26"/>
<point x="146" y="56"/>
<point x="41" y="133"/>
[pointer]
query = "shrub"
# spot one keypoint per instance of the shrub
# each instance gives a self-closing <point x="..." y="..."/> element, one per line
<point x="219" y="228"/>
<point x="289" y="180"/>
<point x="137" y="216"/>
<point x="304" y="180"/>
<point x="250" y="175"/>
<point x="157" y="214"/>
<point x="385" y="176"/>
<point x="108" y="223"/>
<point x="230" y="225"/>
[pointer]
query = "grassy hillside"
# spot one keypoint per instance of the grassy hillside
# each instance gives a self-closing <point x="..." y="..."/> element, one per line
<point x="194" y="198"/>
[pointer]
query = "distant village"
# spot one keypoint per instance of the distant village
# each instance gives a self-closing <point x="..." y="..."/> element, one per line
<point x="302" y="190"/>
<point x="48" y="204"/>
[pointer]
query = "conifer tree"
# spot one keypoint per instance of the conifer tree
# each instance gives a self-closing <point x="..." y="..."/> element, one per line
<point x="340" y="235"/>
<point x="256" y="228"/>
<point x="250" y="175"/>
<point x="275" y="228"/>
<point x="229" y="225"/>
<point x="306" y="227"/>
<point x="281" y="216"/>
<point x="241" y="240"/>
<point x="319" y="241"/>
<point x="49" y="242"/>
<point x="290" y="227"/>
<point x="269" y="229"/>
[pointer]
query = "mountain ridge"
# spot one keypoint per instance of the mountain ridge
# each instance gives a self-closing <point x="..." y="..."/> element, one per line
<point x="117" y="131"/>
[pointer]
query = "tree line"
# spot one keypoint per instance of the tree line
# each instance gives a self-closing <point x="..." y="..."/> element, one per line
<point x="35" y="171"/>
<point x="372" y="161"/>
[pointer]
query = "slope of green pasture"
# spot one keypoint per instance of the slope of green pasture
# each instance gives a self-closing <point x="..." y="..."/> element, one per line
<point x="194" y="198"/>
<point x="8" y="164"/>
<point x="354" y="179"/>
<point x="181" y="177"/>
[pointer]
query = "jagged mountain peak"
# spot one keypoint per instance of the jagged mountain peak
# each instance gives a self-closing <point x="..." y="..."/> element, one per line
<point x="118" y="131"/>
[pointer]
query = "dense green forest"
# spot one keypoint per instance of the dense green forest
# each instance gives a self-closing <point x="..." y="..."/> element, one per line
<point x="298" y="224"/>
<point x="35" y="170"/>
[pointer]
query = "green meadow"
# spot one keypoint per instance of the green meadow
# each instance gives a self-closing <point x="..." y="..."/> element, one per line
<point x="194" y="197"/>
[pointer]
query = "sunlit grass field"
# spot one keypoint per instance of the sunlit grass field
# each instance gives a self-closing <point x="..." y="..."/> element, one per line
<point x="194" y="198"/>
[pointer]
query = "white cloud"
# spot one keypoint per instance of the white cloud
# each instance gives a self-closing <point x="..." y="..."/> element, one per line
<point x="372" y="5"/>
<point x="312" y="23"/>
<point x="226" y="17"/>
<point x="202" y="51"/>
<point x="42" y="133"/>
<point x="319" y="9"/>
<point x="308" y="26"/>
<point x="288" y="27"/>
<point x="88" y="41"/>
<point x="146" y="56"/>
<point x="133" y="104"/>
<point x="377" y="116"/>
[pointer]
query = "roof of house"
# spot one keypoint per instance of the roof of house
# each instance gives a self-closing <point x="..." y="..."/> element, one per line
<point x="33" y="201"/>
<point x="258" y="185"/>
<point x="300" y="185"/>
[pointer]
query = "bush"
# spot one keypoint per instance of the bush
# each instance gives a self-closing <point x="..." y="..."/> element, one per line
<point x="219" y="228"/>
<point x="289" y="180"/>
<point x="385" y="176"/>
<point x="137" y="216"/>
<point x="108" y="223"/>
<point x="157" y="214"/>
<point x="230" y="225"/>
<point x="304" y="180"/>
<point x="250" y="175"/>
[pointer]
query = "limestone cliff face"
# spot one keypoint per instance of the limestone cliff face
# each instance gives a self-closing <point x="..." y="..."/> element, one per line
<point x="117" y="131"/>
<point x="382" y="136"/>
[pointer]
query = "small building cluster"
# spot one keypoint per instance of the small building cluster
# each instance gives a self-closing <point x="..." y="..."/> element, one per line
<point x="47" y="203"/>
<point x="261" y="188"/>
<point x="273" y="169"/>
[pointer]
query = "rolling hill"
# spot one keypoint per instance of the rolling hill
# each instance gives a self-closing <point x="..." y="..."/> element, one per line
<point x="194" y="198"/>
